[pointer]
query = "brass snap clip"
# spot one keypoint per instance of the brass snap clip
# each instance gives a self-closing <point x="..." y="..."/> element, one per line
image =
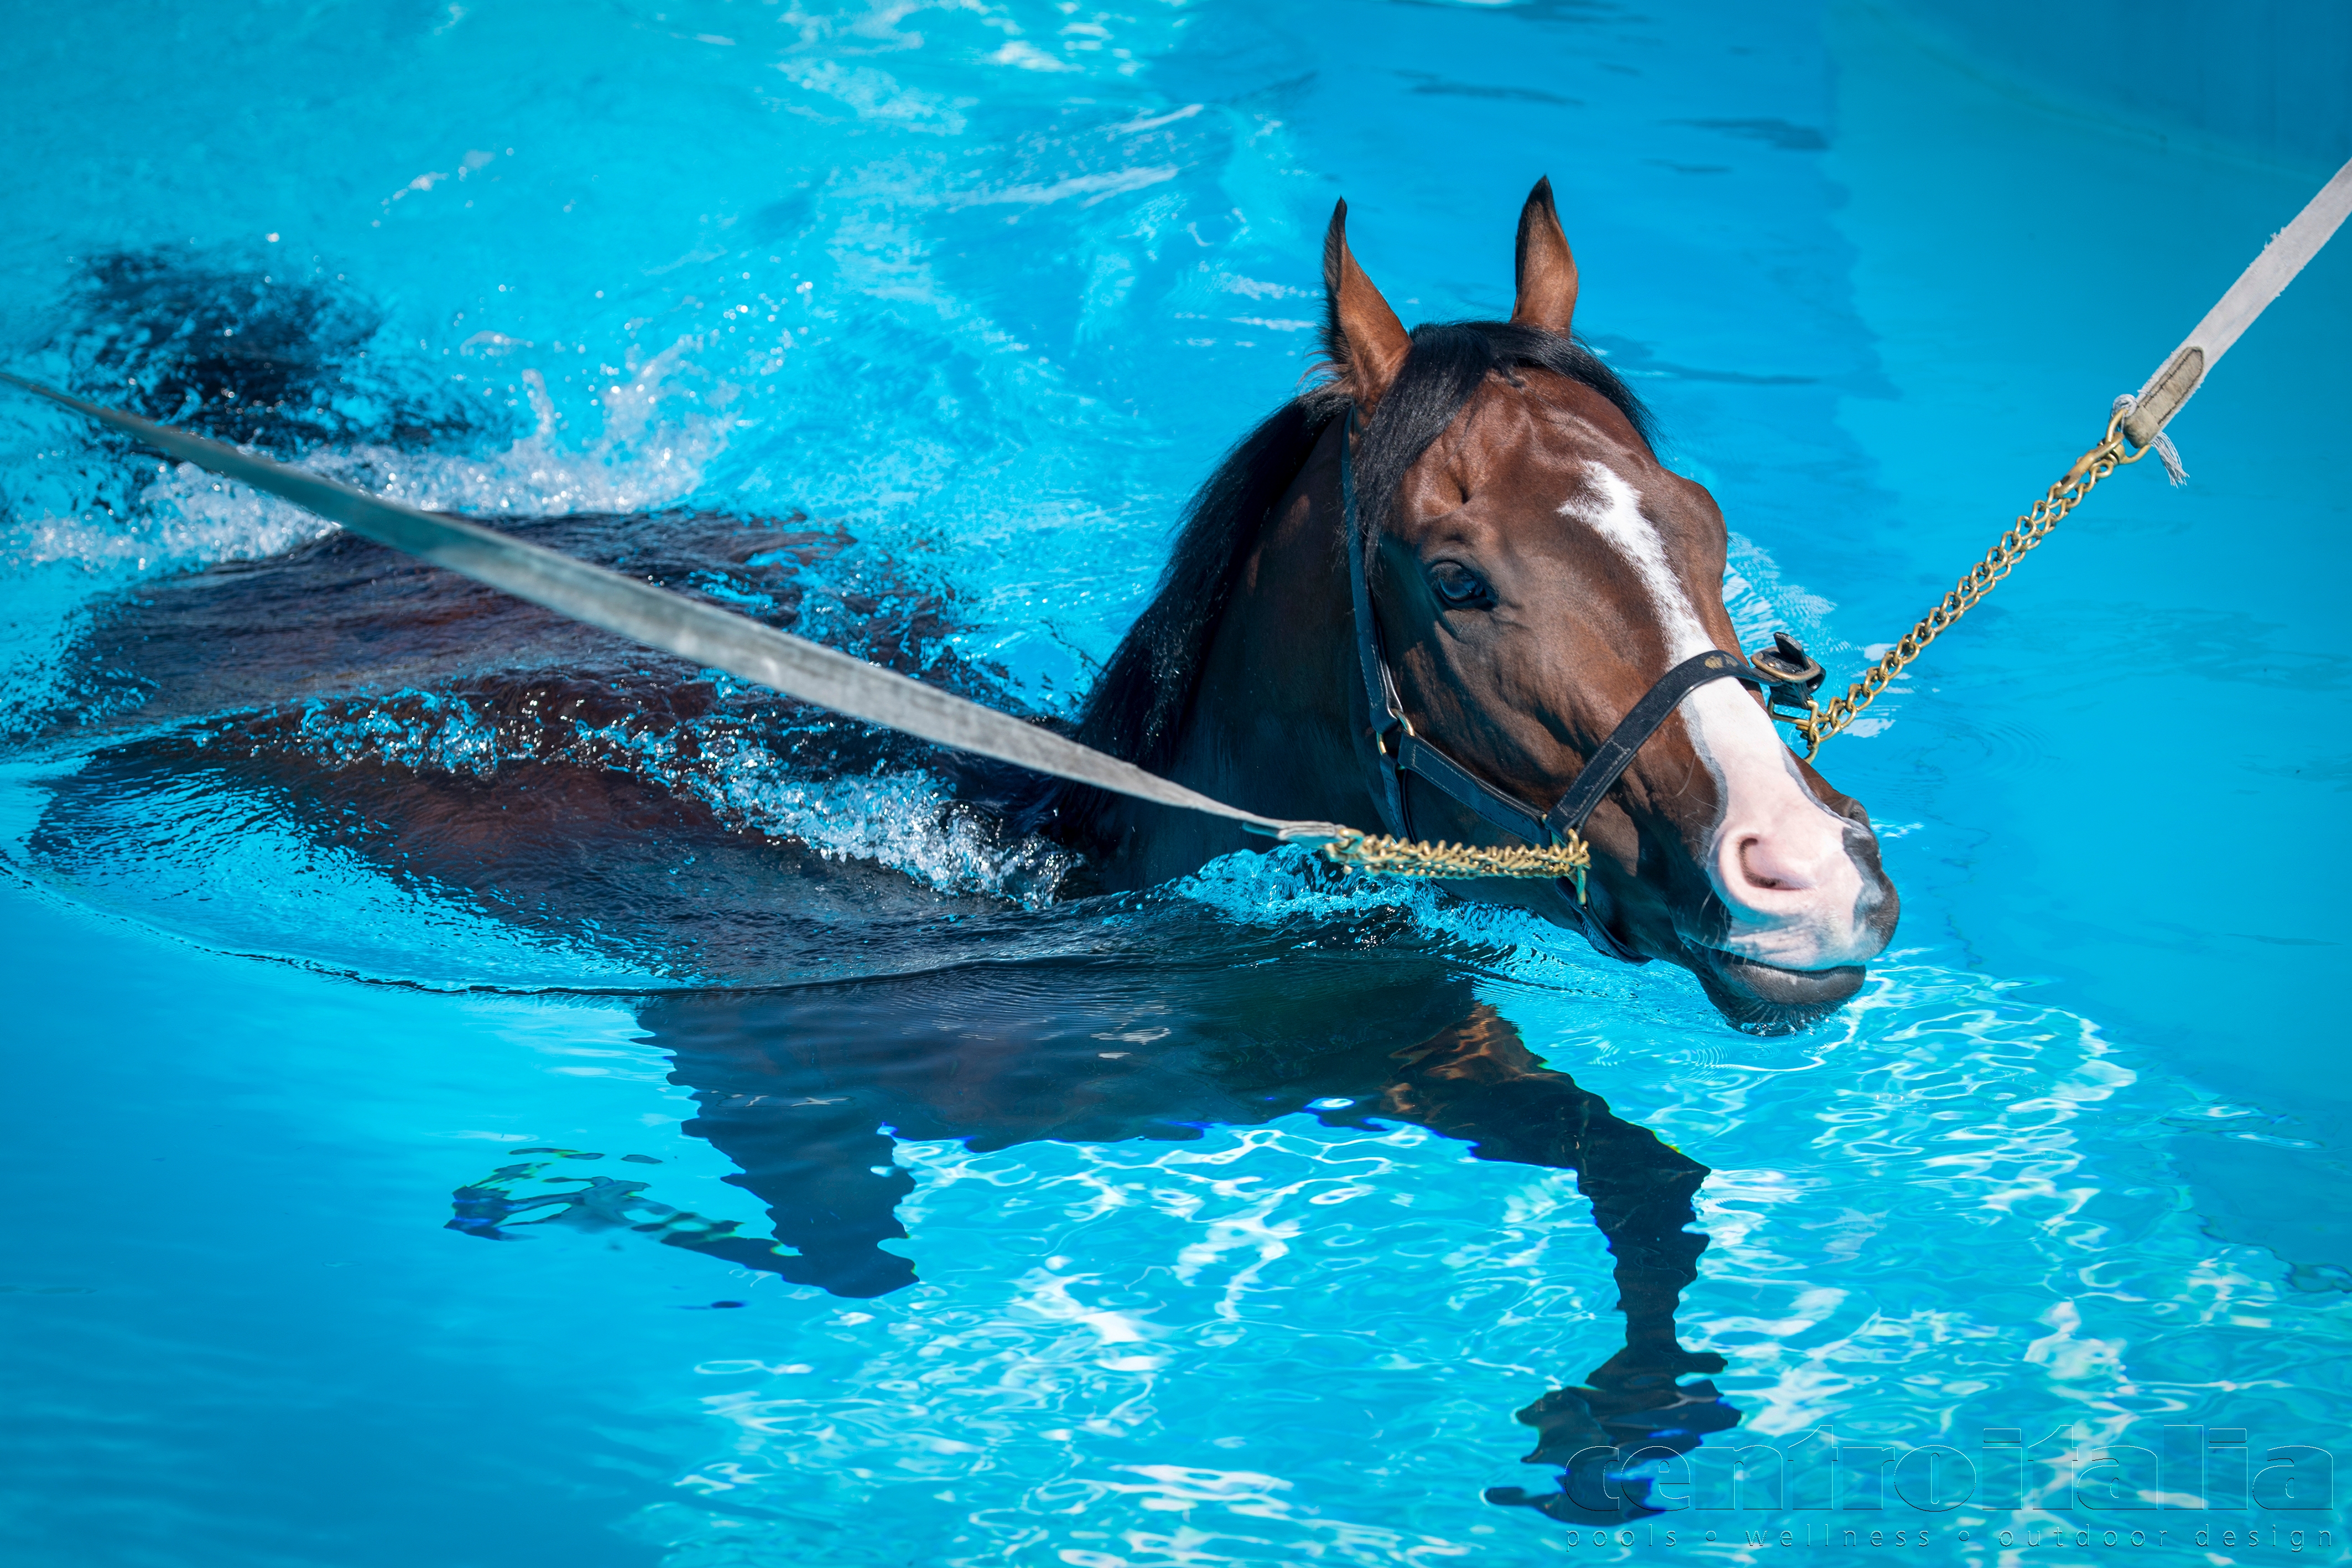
<point x="1795" y="676"/>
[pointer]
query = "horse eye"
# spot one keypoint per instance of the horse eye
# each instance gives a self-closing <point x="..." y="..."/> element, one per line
<point x="1459" y="586"/>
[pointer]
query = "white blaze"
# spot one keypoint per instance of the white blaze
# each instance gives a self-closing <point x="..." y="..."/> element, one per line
<point x="1778" y="857"/>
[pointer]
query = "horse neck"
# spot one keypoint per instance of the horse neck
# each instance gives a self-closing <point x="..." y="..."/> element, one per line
<point x="1271" y="720"/>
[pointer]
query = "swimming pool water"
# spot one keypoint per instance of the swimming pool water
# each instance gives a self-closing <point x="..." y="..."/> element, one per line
<point x="985" y="288"/>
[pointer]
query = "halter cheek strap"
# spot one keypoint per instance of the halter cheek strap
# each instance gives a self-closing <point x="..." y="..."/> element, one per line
<point x="1401" y="751"/>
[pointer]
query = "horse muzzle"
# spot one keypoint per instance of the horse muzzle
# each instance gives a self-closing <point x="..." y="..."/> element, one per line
<point x="1775" y="964"/>
<point x="1765" y="998"/>
<point x="1785" y="949"/>
<point x="1752" y="993"/>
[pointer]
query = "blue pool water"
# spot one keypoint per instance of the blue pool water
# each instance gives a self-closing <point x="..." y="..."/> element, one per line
<point x="983" y="289"/>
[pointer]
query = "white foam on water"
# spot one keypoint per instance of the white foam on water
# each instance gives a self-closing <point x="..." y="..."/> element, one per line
<point x="448" y="736"/>
<point x="658" y="434"/>
<point x="907" y="821"/>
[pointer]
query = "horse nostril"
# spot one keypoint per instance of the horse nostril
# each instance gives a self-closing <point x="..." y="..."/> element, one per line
<point x="1763" y="866"/>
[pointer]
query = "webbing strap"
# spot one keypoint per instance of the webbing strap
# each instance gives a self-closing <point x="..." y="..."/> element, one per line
<point x="2184" y="369"/>
<point x="702" y="633"/>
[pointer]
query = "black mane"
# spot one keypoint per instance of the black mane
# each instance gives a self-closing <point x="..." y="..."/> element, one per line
<point x="1137" y="706"/>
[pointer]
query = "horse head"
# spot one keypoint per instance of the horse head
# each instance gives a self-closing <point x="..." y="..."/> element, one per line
<point x="1534" y="571"/>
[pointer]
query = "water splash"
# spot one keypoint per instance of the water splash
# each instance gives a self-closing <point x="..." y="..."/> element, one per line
<point x="662" y="426"/>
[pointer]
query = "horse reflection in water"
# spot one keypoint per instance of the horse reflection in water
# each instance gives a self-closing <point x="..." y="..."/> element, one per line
<point x="805" y="1091"/>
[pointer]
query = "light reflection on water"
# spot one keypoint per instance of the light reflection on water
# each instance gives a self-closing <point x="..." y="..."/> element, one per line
<point x="1337" y="1318"/>
<point x="1201" y="1328"/>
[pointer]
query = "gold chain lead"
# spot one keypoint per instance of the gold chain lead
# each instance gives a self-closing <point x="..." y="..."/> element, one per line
<point x="1574" y="858"/>
<point x="1825" y="720"/>
<point x="1405" y="857"/>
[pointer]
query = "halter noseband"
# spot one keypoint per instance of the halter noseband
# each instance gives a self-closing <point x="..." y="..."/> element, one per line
<point x="1786" y="674"/>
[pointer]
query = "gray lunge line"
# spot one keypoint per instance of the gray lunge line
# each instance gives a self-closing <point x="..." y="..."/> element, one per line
<point x="2184" y="369"/>
<point x="710" y="637"/>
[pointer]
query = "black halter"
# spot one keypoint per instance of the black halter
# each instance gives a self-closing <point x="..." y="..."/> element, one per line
<point x="1786" y="674"/>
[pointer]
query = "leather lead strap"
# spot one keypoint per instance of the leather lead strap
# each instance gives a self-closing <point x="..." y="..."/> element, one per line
<point x="712" y="638"/>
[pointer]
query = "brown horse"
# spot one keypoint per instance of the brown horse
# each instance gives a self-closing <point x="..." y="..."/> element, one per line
<point x="1529" y="568"/>
<point x="1534" y="571"/>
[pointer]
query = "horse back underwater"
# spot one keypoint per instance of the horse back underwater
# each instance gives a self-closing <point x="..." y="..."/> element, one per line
<point x="1535" y="570"/>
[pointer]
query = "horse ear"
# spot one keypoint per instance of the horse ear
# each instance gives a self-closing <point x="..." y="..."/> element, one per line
<point x="1362" y="337"/>
<point x="1547" y="272"/>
